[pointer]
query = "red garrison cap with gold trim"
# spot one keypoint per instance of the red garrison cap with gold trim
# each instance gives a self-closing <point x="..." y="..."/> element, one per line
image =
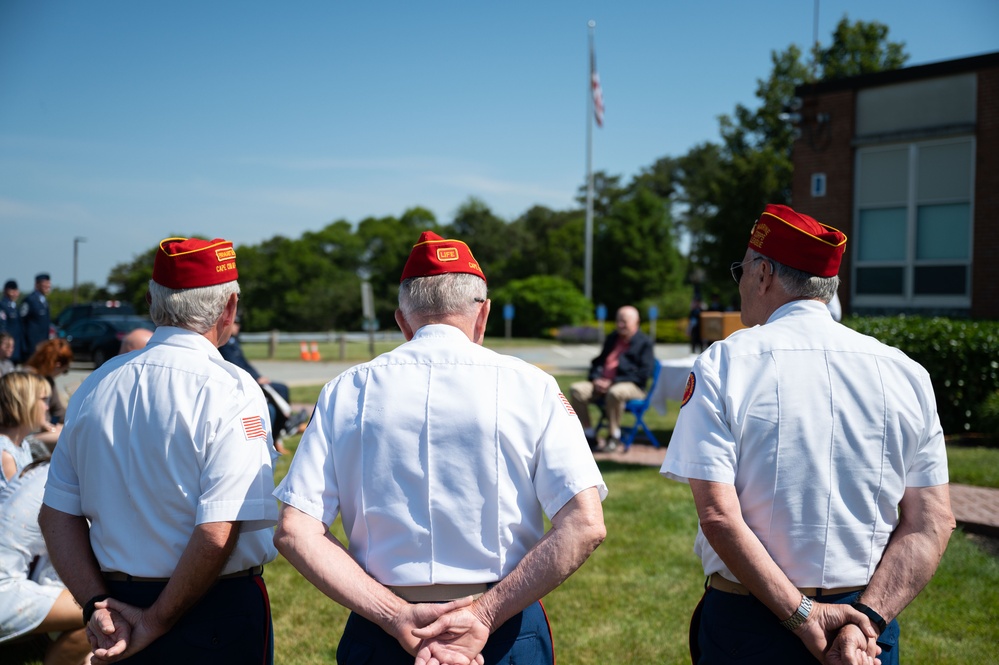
<point x="189" y="263"/>
<point x="798" y="241"/>
<point x="433" y="255"/>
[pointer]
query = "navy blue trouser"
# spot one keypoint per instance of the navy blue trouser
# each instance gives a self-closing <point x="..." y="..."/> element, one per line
<point x="730" y="628"/>
<point x="230" y="625"/>
<point x="525" y="639"/>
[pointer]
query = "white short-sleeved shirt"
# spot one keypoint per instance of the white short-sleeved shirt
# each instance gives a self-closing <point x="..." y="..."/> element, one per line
<point x="821" y="430"/>
<point x="440" y="456"/>
<point x="159" y="441"/>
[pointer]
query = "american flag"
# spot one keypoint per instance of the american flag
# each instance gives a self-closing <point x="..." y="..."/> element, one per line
<point x="598" y="93"/>
<point x="567" y="405"/>
<point x="253" y="427"/>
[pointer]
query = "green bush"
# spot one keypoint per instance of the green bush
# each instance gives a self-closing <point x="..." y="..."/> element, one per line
<point x="541" y="303"/>
<point x="961" y="356"/>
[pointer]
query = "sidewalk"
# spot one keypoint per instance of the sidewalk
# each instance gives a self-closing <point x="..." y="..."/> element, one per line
<point x="976" y="509"/>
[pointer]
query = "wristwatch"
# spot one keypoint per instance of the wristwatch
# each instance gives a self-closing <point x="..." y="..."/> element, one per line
<point x="800" y="614"/>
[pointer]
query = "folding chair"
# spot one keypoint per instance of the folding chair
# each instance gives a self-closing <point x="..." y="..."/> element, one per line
<point x="636" y="407"/>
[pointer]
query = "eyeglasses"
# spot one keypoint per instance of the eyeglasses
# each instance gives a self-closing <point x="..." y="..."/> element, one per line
<point x="737" y="268"/>
<point x="479" y="299"/>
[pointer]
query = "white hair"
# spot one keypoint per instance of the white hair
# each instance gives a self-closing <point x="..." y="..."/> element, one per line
<point x="800" y="284"/>
<point x="195" y="309"/>
<point x="441" y="295"/>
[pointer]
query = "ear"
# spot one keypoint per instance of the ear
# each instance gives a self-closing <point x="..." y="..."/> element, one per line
<point x="479" y="331"/>
<point x="229" y="315"/>
<point x="400" y="320"/>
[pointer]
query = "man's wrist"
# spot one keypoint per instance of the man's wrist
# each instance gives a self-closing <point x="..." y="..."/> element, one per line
<point x="878" y="621"/>
<point x="88" y="607"/>
<point x="800" y="615"/>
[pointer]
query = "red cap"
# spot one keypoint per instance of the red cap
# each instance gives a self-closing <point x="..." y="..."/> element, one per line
<point x="433" y="255"/>
<point x="187" y="263"/>
<point x="798" y="241"/>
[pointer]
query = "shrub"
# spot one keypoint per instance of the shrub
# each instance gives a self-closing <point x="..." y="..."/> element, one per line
<point x="961" y="356"/>
<point x="541" y="304"/>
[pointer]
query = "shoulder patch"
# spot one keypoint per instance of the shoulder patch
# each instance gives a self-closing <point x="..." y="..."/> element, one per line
<point x="567" y="405"/>
<point x="688" y="390"/>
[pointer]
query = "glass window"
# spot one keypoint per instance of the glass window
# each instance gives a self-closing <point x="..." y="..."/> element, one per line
<point x="882" y="235"/>
<point x="944" y="171"/>
<point x="880" y="281"/>
<point x="942" y="231"/>
<point x="941" y="281"/>
<point x="885" y="177"/>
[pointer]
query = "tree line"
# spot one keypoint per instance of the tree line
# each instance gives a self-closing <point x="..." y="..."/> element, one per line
<point x="708" y="197"/>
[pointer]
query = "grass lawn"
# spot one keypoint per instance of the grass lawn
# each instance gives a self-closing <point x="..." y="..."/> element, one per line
<point x="361" y="351"/>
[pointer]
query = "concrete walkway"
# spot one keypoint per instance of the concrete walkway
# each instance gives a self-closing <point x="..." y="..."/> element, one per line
<point x="976" y="509"/>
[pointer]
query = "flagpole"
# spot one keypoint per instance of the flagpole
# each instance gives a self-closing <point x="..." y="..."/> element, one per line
<point x="588" y="260"/>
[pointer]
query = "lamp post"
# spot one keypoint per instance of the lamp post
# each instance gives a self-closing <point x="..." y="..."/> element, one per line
<point x="76" y="252"/>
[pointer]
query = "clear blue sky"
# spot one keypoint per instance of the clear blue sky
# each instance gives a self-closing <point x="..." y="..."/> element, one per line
<point x="125" y="122"/>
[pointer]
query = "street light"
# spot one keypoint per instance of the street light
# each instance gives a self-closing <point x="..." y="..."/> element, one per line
<point x="76" y="251"/>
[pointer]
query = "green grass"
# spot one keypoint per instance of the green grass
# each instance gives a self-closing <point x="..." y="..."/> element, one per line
<point x="973" y="465"/>
<point x="361" y="351"/>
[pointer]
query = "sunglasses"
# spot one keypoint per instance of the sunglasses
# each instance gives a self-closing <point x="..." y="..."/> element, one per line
<point x="737" y="268"/>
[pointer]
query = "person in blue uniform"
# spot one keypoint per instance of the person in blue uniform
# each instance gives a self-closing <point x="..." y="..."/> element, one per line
<point x="10" y="320"/>
<point x="35" y="314"/>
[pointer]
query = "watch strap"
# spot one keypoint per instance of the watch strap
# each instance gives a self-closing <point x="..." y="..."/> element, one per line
<point x="800" y="614"/>
<point x="876" y="618"/>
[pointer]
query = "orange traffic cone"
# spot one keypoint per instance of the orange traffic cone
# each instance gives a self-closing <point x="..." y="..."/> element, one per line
<point x="315" y="352"/>
<point x="304" y="351"/>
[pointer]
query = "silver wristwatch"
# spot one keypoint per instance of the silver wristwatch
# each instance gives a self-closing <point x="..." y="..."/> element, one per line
<point x="800" y="614"/>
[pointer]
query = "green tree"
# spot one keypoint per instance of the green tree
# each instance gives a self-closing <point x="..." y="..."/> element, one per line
<point x="541" y="303"/>
<point x="551" y="243"/>
<point x="491" y="239"/>
<point x="637" y="255"/>
<point x="859" y="48"/>
<point x="130" y="281"/>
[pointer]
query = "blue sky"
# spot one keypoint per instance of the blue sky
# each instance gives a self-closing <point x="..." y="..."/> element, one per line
<point x="125" y="122"/>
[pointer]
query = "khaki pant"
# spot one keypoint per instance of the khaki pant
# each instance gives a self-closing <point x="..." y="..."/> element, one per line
<point x="581" y="395"/>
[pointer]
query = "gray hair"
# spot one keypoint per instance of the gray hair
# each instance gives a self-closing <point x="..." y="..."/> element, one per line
<point x="195" y="309"/>
<point x="800" y="284"/>
<point x="441" y="295"/>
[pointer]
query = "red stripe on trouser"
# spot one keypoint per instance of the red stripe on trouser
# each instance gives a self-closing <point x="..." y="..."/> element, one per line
<point x="549" y="624"/>
<point x="267" y="606"/>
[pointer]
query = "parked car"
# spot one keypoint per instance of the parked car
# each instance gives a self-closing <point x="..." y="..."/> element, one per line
<point x="92" y="310"/>
<point x="96" y="340"/>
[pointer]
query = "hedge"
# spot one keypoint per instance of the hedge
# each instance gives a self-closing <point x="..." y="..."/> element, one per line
<point x="962" y="357"/>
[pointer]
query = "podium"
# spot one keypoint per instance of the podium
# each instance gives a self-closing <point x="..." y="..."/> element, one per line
<point x="719" y="325"/>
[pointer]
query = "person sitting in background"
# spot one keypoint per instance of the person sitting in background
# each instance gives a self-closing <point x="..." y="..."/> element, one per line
<point x="618" y="374"/>
<point x="6" y="353"/>
<point x="33" y="600"/>
<point x="283" y="421"/>
<point x="135" y="340"/>
<point x="24" y="403"/>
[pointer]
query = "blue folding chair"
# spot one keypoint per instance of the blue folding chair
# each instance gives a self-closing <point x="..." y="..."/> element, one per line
<point x="636" y="407"/>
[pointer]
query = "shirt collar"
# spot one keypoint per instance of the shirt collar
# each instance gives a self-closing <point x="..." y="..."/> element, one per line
<point x="800" y="308"/>
<point x="183" y="338"/>
<point x="440" y="330"/>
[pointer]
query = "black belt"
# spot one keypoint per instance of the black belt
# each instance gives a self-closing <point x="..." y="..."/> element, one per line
<point x="114" y="576"/>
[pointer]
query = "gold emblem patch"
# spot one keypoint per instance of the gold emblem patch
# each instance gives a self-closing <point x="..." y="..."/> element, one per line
<point x="688" y="390"/>
<point x="447" y="254"/>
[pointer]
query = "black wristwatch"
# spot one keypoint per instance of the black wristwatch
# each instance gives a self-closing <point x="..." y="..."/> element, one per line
<point x="873" y="616"/>
<point x="88" y="607"/>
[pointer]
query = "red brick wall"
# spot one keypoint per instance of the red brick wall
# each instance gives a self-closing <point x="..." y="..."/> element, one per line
<point x="985" y="252"/>
<point x="827" y="149"/>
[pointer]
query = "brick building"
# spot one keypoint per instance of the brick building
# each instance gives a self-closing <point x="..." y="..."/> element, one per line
<point x="906" y="163"/>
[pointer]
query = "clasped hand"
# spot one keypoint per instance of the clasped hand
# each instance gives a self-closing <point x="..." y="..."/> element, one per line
<point x="118" y="630"/>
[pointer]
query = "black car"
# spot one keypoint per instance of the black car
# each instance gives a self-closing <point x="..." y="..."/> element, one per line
<point x="92" y="310"/>
<point x="97" y="340"/>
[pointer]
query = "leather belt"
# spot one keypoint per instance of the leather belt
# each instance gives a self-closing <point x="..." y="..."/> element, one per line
<point x="115" y="576"/>
<point x="716" y="581"/>
<point x="439" y="593"/>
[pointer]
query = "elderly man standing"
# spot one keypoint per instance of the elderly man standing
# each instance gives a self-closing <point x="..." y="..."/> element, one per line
<point x="165" y="454"/>
<point x="441" y="456"/>
<point x="620" y="373"/>
<point x="817" y="464"/>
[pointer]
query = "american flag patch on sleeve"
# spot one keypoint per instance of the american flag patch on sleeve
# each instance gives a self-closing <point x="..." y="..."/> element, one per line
<point x="566" y="404"/>
<point x="253" y="427"/>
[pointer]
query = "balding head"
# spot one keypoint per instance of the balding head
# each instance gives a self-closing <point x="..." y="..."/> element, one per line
<point x="135" y="340"/>
<point x="627" y="321"/>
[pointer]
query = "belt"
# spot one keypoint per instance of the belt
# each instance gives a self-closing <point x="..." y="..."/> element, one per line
<point x="439" y="593"/>
<point x="115" y="576"/>
<point x="716" y="581"/>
